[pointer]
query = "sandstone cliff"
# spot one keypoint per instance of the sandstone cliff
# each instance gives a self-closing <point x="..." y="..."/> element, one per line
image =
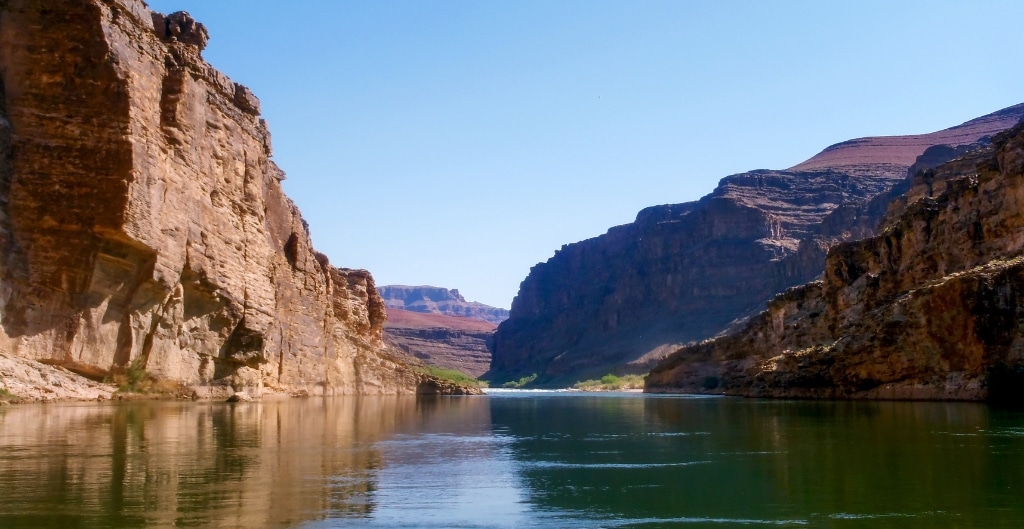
<point x="682" y="273"/>
<point x="143" y="223"/>
<point x="450" y="342"/>
<point x="437" y="300"/>
<point x="930" y="308"/>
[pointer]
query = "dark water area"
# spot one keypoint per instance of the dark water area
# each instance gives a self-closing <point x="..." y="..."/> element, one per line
<point x="513" y="459"/>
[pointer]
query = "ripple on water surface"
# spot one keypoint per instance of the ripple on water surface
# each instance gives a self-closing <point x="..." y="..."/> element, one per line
<point x="508" y="461"/>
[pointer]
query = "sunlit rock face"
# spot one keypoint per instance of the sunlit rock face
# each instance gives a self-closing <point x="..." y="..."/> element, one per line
<point x="438" y="326"/>
<point x="143" y="223"/>
<point x="683" y="273"/>
<point x="448" y="342"/>
<point x="930" y="308"/>
<point x="437" y="300"/>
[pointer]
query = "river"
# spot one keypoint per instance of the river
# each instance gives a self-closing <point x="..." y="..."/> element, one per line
<point x="511" y="460"/>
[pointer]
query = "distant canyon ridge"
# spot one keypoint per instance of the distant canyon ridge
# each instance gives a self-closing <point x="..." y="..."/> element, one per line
<point x="682" y="273"/>
<point x="437" y="300"/>
<point x="928" y="308"/>
<point x="440" y="327"/>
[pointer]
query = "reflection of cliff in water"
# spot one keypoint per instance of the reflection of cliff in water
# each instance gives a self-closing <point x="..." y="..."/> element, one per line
<point x="738" y="459"/>
<point x="270" y="464"/>
<point x="604" y="456"/>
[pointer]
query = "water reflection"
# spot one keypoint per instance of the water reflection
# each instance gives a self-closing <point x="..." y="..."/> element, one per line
<point x="512" y="461"/>
<point x="666" y="462"/>
<point x="269" y="464"/>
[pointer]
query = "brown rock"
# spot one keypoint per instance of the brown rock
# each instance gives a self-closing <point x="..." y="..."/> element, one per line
<point x="181" y="27"/>
<point x="450" y="342"/>
<point x="143" y="223"/>
<point x="246" y="100"/>
<point x="869" y="154"/>
<point x="683" y="273"/>
<point x="927" y="309"/>
<point x="441" y="301"/>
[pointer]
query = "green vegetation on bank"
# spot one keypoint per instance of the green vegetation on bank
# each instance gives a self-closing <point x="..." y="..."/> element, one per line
<point x="135" y="379"/>
<point x="451" y="375"/>
<point x="7" y="395"/>
<point x="522" y="382"/>
<point x="611" y="382"/>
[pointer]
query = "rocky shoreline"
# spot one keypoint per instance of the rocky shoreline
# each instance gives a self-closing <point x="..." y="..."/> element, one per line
<point x="23" y="380"/>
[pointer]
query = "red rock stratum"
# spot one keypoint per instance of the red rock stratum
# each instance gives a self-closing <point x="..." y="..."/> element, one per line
<point x="451" y="342"/>
<point x="867" y="154"/>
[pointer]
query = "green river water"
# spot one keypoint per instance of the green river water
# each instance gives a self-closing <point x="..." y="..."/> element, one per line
<point x="510" y="460"/>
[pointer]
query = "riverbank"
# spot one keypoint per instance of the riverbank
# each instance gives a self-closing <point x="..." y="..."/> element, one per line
<point x="24" y="380"/>
<point x="606" y="390"/>
<point x="612" y="382"/>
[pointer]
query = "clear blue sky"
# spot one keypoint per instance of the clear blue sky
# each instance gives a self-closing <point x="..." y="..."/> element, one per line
<point x="458" y="143"/>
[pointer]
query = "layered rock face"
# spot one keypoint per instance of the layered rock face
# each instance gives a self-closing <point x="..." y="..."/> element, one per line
<point x="143" y="223"/>
<point x="438" y="326"/>
<point x="437" y="300"/>
<point x="872" y="154"/>
<point x="450" y="342"/>
<point x="682" y="273"/>
<point x="930" y="308"/>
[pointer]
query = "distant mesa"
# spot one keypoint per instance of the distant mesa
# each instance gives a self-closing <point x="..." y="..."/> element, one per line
<point x="441" y="328"/>
<point x="868" y="154"/>
<point x="437" y="300"/>
<point x="449" y="342"/>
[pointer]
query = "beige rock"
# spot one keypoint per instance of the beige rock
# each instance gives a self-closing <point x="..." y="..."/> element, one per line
<point x="24" y="379"/>
<point x="143" y="223"/>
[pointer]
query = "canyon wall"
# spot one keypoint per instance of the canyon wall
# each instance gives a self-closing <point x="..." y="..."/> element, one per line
<point x="438" y="326"/>
<point x="449" y="342"/>
<point x="930" y="308"/>
<point x="143" y="223"/>
<point x="437" y="300"/>
<point x="682" y="273"/>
